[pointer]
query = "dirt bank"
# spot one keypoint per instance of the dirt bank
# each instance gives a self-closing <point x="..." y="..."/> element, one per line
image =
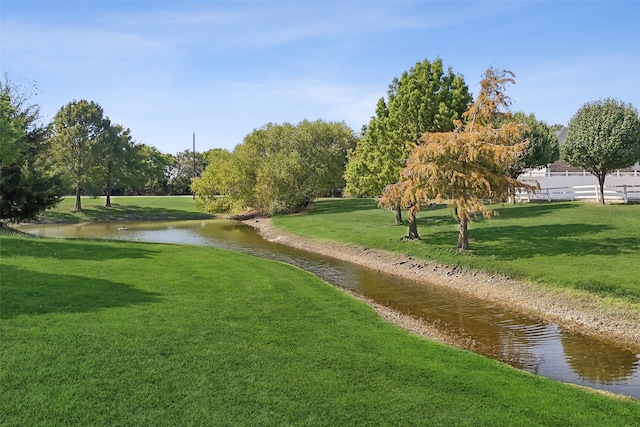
<point x="582" y="313"/>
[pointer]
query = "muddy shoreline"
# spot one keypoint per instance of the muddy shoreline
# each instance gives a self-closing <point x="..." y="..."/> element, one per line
<point x="581" y="313"/>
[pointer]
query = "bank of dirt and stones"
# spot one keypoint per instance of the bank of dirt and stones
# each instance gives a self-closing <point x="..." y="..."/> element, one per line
<point x="584" y="313"/>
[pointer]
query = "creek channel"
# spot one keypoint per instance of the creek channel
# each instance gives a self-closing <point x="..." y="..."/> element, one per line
<point x="526" y="343"/>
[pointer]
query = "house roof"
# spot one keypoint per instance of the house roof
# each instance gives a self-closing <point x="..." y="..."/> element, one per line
<point x="562" y="135"/>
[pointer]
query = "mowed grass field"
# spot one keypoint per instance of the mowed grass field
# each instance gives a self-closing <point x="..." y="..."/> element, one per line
<point x="125" y="334"/>
<point x="125" y="208"/>
<point x="570" y="245"/>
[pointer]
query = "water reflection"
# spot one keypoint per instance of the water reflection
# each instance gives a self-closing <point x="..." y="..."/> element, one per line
<point x="523" y="342"/>
<point x="596" y="363"/>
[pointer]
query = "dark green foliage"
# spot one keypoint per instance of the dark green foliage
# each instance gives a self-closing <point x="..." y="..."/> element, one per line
<point x="152" y="167"/>
<point x="29" y="181"/>
<point x="423" y="99"/>
<point x="181" y="171"/>
<point x="542" y="148"/>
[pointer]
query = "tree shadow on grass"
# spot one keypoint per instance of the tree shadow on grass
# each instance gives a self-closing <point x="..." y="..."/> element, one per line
<point x="26" y="292"/>
<point x="514" y="242"/>
<point x="530" y="210"/>
<point x="435" y="215"/>
<point x="334" y="206"/>
<point x="67" y="249"/>
<point x="123" y="213"/>
<point x="117" y="212"/>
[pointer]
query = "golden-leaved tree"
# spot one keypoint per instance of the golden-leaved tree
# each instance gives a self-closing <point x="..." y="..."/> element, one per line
<point x="467" y="166"/>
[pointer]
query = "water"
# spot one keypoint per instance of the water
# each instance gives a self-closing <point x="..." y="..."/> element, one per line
<point x="529" y="344"/>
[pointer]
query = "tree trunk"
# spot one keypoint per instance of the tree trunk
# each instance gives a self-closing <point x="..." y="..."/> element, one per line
<point x="463" y="235"/>
<point x="78" y="206"/>
<point x="398" y="215"/>
<point x="107" y="204"/>
<point x="601" y="182"/>
<point x="413" y="226"/>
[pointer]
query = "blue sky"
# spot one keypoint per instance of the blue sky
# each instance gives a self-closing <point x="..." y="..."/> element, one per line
<point x="166" y="69"/>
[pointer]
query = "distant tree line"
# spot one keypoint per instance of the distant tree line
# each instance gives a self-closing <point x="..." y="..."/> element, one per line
<point x="80" y="152"/>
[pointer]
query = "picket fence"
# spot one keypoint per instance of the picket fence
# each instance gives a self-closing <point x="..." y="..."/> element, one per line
<point x="612" y="193"/>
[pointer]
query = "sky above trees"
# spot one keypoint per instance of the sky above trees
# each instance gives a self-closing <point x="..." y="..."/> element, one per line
<point x="221" y="69"/>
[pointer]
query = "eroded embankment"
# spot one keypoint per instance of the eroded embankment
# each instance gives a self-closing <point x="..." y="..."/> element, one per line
<point x="578" y="312"/>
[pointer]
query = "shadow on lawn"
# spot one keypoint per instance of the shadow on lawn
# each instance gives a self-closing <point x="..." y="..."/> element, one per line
<point x="530" y="210"/>
<point x="123" y="213"/>
<point x="33" y="293"/>
<point x="337" y="205"/>
<point x="69" y="249"/>
<point x="514" y="242"/>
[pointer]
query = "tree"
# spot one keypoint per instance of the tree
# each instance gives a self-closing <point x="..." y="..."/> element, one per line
<point x="11" y="130"/>
<point x="278" y="168"/>
<point x="152" y="166"/>
<point x="29" y="182"/>
<point x="425" y="98"/>
<point x="216" y="180"/>
<point x="601" y="137"/>
<point x="78" y="128"/>
<point x="466" y="166"/>
<point x="542" y="148"/>
<point x="181" y="171"/>
<point x="115" y="160"/>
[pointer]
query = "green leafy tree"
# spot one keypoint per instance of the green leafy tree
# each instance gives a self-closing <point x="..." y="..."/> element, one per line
<point x="152" y="168"/>
<point x="423" y="99"/>
<point x="217" y="180"/>
<point x="181" y="171"/>
<point x="29" y="181"/>
<point x="115" y="164"/>
<point x="212" y="156"/>
<point x="467" y="166"/>
<point x="278" y="168"/>
<point x="542" y="148"/>
<point x="78" y="129"/>
<point x="11" y="130"/>
<point x="322" y="149"/>
<point x="601" y="137"/>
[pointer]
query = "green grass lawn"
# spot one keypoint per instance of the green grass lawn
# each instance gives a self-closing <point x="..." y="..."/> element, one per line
<point x="125" y="208"/>
<point x="117" y="333"/>
<point x="570" y="245"/>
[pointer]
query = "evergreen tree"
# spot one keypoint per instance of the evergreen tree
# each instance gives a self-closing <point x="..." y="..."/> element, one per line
<point x="423" y="99"/>
<point x="29" y="181"/>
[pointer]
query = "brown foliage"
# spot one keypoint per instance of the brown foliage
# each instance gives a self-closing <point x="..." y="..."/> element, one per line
<point x="468" y="166"/>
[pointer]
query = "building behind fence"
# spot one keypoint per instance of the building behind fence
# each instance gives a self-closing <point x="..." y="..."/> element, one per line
<point x="612" y="193"/>
<point x="561" y="181"/>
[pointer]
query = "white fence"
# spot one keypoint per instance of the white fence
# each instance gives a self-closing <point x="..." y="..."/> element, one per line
<point x="542" y="172"/>
<point x="612" y="193"/>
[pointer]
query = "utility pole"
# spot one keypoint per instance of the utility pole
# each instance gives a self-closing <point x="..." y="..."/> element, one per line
<point x="194" y="162"/>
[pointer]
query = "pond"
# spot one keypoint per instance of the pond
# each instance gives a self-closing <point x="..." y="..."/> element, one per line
<point x="526" y="343"/>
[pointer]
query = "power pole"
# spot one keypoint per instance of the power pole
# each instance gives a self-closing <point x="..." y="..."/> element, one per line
<point x="194" y="162"/>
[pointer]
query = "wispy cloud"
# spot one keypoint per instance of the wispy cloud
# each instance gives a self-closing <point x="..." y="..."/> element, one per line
<point x="223" y="68"/>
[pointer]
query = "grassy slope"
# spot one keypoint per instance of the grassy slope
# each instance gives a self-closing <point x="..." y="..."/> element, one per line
<point x="115" y="333"/>
<point x="573" y="245"/>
